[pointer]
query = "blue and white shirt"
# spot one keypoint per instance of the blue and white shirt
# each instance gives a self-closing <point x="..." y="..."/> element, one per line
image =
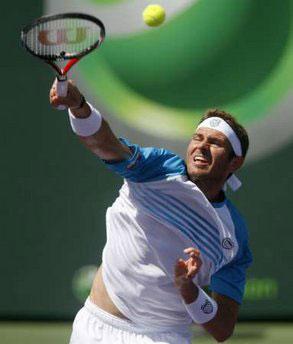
<point x="159" y="213"/>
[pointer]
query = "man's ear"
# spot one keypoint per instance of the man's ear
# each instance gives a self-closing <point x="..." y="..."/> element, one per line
<point x="236" y="163"/>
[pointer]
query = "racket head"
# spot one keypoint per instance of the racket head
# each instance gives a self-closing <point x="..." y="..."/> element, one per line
<point x="63" y="36"/>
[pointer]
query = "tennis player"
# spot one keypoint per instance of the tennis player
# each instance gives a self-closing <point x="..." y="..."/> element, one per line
<point x="170" y="233"/>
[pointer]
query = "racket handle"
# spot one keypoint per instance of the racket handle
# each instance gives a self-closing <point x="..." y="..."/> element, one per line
<point x="61" y="90"/>
<point x="61" y="87"/>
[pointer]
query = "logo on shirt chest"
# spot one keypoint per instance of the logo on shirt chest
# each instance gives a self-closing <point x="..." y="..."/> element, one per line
<point x="227" y="243"/>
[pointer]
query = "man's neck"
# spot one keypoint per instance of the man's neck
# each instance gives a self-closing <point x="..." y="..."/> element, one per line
<point x="212" y="190"/>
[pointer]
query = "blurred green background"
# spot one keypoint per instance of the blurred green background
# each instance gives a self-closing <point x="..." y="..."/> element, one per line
<point x="236" y="55"/>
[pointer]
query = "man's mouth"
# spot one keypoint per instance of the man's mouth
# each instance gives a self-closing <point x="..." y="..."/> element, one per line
<point x="200" y="160"/>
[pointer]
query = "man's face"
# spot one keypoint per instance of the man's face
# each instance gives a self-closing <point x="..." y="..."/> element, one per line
<point x="208" y="156"/>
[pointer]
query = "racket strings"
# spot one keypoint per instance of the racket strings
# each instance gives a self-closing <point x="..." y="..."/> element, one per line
<point x="63" y="38"/>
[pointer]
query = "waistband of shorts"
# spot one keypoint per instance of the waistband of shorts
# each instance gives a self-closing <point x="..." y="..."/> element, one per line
<point x="112" y="320"/>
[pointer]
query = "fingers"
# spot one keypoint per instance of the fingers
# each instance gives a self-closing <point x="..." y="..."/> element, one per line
<point x="186" y="270"/>
<point x="54" y="99"/>
<point x="194" y="262"/>
<point x="180" y="267"/>
<point x="193" y="267"/>
<point x="180" y="273"/>
<point x="193" y="252"/>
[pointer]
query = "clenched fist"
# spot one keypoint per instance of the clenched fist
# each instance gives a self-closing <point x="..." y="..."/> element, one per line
<point x="71" y="100"/>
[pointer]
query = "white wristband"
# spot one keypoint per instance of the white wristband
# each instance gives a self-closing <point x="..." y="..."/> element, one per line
<point x="86" y="126"/>
<point x="203" y="309"/>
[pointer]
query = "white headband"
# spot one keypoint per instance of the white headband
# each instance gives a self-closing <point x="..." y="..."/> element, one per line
<point x="219" y="124"/>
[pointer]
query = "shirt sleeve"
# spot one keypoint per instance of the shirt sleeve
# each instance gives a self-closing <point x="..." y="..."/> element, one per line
<point x="230" y="280"/>
<point x="147" y="164"/>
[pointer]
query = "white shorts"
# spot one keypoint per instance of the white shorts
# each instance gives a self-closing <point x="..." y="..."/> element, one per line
<point x="92" y="325"/>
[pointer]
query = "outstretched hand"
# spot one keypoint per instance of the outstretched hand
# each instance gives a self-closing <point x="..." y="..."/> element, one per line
<point x="186" y="270"/>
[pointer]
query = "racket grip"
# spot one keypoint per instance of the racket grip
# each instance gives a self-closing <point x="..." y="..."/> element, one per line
<point x="61" y="87"/>
<point x="61" y="90"/>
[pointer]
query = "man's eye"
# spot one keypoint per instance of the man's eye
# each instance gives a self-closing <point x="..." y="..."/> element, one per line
<point x="216" y="143"/>
<point x="196" y="138"/>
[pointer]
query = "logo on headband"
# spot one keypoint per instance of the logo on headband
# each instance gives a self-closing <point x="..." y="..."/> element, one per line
<point x="215" y="122"/>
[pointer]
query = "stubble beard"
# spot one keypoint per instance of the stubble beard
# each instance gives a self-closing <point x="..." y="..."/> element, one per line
<point x="205" y="179"/>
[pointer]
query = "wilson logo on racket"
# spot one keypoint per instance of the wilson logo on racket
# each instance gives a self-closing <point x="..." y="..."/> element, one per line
<point x="63" y="36"/>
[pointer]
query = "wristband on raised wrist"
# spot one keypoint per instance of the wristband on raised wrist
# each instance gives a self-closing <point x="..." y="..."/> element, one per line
<point x="203" y="309"/>
<point x="86" y="126"/>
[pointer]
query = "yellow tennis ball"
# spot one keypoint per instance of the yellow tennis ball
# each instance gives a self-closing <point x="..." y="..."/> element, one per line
<point x="154" y="15"/>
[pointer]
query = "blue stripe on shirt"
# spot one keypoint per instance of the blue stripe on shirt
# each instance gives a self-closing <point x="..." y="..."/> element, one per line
<point x="191" y="221"/>
<point x="168" y="214"/>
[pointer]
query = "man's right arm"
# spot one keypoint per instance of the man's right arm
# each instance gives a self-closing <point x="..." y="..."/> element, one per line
<point x="102" y="143"/>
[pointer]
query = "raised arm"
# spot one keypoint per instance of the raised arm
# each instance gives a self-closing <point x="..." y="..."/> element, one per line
<point x="103" y="142"/>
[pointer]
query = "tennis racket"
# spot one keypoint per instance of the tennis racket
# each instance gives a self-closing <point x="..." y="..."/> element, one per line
<point x="62" y="40"/>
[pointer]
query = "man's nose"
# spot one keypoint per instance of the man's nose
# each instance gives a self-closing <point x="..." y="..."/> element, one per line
<point x="203" y="144"/>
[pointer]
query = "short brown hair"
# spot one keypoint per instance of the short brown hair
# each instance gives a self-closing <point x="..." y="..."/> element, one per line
<point x="238" y="128"/>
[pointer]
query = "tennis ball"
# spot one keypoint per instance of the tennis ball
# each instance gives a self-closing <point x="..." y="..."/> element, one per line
<point x="154" y="15"/>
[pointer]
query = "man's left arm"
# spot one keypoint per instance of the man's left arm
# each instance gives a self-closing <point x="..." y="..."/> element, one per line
<point x="217" y="313"/>
<point x="222" y="310"/>
<point x="221" y="327"/>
